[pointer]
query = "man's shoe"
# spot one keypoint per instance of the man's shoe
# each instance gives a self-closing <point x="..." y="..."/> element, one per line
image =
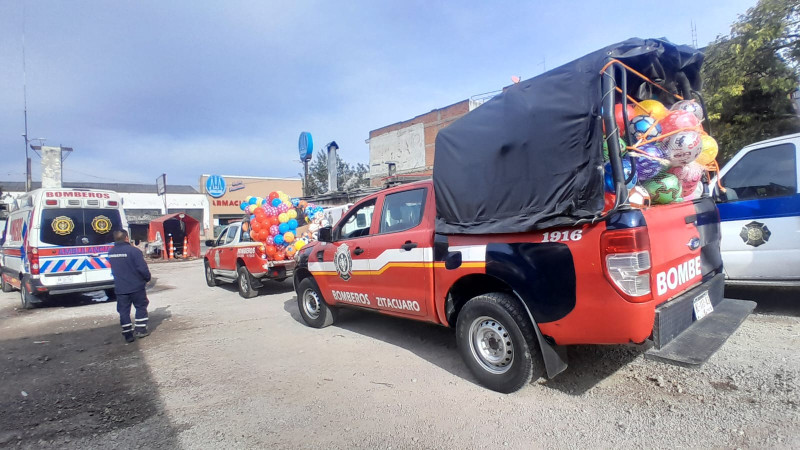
<point x="128" y="337"/>
<point x="141" y="334"/>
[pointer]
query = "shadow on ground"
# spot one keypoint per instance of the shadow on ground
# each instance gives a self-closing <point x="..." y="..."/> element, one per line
<point x="588" y="365"/>
<point x="784" y="301"/>
<point x="269" y="287"/>
<point x="79" y="387"/>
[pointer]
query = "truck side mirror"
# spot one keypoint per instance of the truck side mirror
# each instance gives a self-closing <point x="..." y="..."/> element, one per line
<point x="325" y="234"/>
<point x="210" y="243"/>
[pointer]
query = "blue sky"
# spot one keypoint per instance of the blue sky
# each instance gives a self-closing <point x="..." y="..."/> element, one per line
<point x="142" y="87"/>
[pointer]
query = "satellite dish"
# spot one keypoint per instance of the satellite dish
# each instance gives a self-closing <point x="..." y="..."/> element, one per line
<point x="306" y="146"/>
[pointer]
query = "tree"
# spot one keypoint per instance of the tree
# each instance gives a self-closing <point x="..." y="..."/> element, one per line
<point x="348" y="177"/>
<point x="750" y="74"/>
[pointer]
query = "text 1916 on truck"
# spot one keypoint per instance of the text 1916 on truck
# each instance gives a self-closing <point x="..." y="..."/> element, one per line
<point x="516" y="244"/>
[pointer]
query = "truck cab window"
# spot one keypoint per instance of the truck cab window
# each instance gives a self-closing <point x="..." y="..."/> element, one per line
<point x="356" y="223"/>
<point x="221" y="238"/>
<point x="403" y="210"/>
<point x="233" y="233"/>
<point x="763" y="173"/>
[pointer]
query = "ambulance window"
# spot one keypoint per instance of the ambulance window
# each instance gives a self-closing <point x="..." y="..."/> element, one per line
<point x="356" y="223"/>
<point x="74" y="227"/>
<point x="403" y="210"/>
<point x="763" y="173"/>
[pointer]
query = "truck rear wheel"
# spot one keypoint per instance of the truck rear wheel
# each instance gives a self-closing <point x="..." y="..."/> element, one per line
<point x="497" y="341"/>
<point x="245" y="283"/>
<point x="313" y="309"/>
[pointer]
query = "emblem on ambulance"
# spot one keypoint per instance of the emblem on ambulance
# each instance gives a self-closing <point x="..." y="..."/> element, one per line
<point x="343" y="262"/>
<point x="755" y="233"/>
<point x="62" y="225"/>
<point x="101" y="224"/>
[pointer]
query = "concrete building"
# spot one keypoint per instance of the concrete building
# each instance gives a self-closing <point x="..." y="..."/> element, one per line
<point x="141" y="202"/>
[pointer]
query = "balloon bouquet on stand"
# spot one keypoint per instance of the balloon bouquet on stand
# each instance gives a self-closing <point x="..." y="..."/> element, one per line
<point x="275" y="220"/>
<point x="670" y="152"/>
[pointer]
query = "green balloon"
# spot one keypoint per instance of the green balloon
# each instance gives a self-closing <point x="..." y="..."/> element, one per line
<point x="622" y="145"/>
<point x="663" y="188"/>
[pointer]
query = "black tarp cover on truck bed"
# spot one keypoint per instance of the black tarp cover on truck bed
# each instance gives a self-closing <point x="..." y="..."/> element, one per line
<point x="532" y="157"/>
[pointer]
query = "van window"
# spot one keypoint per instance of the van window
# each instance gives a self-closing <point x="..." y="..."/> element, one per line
<point x="763" y="173"/>
<point x="76" y="226"/>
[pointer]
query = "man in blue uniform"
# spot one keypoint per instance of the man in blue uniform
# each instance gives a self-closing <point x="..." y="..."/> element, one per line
<point x="130" y="277"/>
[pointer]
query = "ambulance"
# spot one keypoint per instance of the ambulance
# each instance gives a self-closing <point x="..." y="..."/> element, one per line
<point x="517" y="246"/>
<point x="56" y="241"/>
<point x="760" y="210"/>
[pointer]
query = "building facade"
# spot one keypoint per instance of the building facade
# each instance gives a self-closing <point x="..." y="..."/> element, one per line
<point x="224" y="193"/>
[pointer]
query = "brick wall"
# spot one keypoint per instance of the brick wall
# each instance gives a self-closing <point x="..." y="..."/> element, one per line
<point x="432" y="122"/>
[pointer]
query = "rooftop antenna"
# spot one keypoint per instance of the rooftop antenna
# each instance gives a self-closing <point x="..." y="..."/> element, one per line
<point x="694" y="35"/>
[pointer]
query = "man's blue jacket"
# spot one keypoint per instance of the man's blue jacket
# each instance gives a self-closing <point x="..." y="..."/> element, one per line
<point x="128" y="267"/>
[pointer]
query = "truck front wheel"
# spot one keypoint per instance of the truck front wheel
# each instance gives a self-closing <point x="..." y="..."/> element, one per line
<point x="313" y="309"/>
<point x="497" y="342"/>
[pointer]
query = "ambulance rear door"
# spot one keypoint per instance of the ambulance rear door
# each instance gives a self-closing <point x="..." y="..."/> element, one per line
<point x="74" y="243"/>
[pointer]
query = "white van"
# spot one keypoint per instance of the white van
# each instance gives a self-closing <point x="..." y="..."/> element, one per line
<point x="56" y="241"/>
<point x="760" y="214"/>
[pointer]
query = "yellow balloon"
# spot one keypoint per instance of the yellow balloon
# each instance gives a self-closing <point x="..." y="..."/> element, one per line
<point x="292" y="214"/>
<point x="299" y="244"/>
<point x="288" y="236"/>
<point x="283" y="217"/>
<point x="709" y="152"/>
<point x="652" y="108"/>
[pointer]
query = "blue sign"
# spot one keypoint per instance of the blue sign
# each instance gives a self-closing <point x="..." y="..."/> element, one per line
<point x="306" y="146"/>
<point x="215" y="186"/>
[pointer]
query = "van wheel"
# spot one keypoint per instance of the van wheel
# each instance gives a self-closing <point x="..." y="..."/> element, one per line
<point x="29" y="301"/>
<point x="497" y="342"/>
<point x="245" y="283"/>
<point x="211" y="280"/>
<point x="6" y="287"/>
<point x="313" y="309"/>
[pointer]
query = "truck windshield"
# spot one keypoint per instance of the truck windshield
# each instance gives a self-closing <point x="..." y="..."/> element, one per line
<point x="77" y="226"/>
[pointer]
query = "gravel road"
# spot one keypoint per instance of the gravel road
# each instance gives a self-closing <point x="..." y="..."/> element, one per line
<point x="219" y="371"/>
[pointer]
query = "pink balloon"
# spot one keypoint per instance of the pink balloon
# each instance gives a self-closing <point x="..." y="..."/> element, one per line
<point x="689" y="175"/>
<point x="273" y="230"/>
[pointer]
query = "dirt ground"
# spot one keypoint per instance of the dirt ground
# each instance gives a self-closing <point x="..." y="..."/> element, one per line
<point x="219" y="371"/>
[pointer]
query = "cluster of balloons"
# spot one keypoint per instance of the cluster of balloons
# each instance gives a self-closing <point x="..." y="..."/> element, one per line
<point x="274" y="221"/>
<point x="672" y="150"/>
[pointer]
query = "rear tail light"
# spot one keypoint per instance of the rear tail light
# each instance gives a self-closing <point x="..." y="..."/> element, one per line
<point x="33" y="259"/>
<point x="262" y="251"/>
<point x="626" y="262"/>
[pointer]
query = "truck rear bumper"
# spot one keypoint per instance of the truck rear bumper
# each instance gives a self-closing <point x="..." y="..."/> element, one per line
<point x="679" y="338"/>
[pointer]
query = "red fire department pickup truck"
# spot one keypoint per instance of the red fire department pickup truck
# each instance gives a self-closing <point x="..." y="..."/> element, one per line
<point x="515" y="244"/>
<point x="235" y="258"/>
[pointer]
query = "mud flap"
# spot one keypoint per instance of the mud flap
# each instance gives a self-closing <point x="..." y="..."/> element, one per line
<point x="554" y="356"/>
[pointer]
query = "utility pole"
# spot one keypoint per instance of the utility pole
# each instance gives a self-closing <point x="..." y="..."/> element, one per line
<point x="25" y="105"/>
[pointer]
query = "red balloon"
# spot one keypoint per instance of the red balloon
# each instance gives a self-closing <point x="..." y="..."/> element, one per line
<point x="271" y="250"/>
<point x="679" y="119"/>
<point x="272" y="195"/>
<point x="274" y="220"/>
<point x="255" y="225"/>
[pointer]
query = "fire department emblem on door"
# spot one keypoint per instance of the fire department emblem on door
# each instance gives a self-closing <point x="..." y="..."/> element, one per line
<point x="755" y="233"/>
<point x="343" y="262"/>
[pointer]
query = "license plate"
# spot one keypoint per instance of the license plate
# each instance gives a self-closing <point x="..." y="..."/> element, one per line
<point x="702" y="306"/>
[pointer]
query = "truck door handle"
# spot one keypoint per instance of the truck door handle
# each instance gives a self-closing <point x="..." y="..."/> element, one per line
<point x="320" y="255"/>
<point x="358" y="250"/>
<point x="408" y="245"/>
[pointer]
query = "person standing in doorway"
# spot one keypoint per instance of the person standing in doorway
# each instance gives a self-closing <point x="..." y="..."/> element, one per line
<point x="130" y="277"/>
